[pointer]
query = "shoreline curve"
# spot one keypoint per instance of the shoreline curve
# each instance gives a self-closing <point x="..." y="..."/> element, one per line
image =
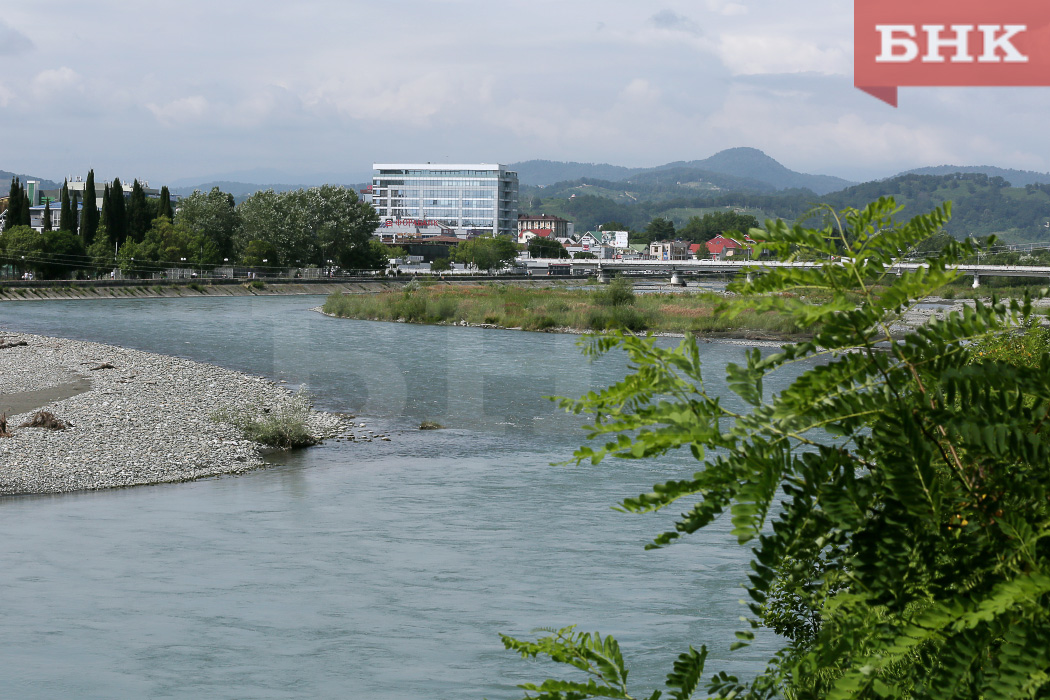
<point x="144" y="420"/>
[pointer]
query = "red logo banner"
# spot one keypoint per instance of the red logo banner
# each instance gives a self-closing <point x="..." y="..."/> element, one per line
<point x="933" y="43"/>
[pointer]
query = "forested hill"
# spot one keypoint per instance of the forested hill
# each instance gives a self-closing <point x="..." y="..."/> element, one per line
<point x="753" y="164"/>
<point x="740" y="165"/>
<point x="541" y="173"/>
<point x="5" y="180"/>
<point x="982" y="205"/>
<point x="1017" y="178"/>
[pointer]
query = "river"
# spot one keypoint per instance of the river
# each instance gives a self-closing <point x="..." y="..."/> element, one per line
<point x="357" y="570"/>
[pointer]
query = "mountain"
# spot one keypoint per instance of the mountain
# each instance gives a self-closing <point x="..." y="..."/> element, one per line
<point x="5" y="182"/>
<point x="753" y="164"/>
<point x="243" y="190"/>
<point x="753" y="168"/>
<point x="257" y="175"/>
<point x="1017" y="178"/>
<point x="540" y="173"/>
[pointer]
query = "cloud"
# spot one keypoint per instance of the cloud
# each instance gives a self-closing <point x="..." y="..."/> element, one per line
<point x="671" y="21"/>
<point x="180" y="112"/>
<point x="12" y="41"/>
<point x="729" y="9"/>
<point x="55" y="84"/>
<point x="756" y="53"/>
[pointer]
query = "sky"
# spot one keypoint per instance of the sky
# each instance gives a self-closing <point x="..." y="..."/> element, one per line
<point x="266" y="91"/>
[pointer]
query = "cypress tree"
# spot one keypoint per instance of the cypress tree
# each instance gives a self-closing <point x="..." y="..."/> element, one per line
<point x="14" y="204"/>
<point x="47" y="216"/>
<point x="164" y="207"/>
<point x="24" y="209"/>
<point x="65" y="218"/>
<point x="104" y="215"/>
<point x="89" y="219"/>
<point x="139" y="213"/>
<point x="118" y="214"/>
<point x="74" y="218"/>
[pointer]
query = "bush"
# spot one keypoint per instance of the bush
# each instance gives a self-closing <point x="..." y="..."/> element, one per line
<point x="620" y="292"/>
<point x="285" y="427"/>
<point x="616" y="318"/>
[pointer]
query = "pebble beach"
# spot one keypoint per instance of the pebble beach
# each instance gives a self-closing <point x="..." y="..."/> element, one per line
<point x="134" y="417"/>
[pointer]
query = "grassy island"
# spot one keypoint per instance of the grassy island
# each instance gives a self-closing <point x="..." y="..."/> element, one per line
<point x="613" y="306"/>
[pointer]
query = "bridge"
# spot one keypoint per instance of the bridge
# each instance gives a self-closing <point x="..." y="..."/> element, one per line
<point x="678" y="269"/>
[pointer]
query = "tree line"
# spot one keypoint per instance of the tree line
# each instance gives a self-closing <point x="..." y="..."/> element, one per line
<point x="321" y="226"/>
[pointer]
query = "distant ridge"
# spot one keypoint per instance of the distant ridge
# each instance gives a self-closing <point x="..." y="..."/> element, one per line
<point x="748" y="164"/>
<point x="1017" y="178"/>
<point x="753" y="164"/>
<point x="5" y="182"/>
<point x="540" y="173"/>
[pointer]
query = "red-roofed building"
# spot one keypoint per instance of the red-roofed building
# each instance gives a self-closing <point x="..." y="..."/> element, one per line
<point x="528" y="234"/>
<point x="721" y="248"/>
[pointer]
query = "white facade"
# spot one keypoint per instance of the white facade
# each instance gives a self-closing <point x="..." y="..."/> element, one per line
<point x="470" y="199"/>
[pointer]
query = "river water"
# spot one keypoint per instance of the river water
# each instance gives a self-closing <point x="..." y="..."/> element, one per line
<point x="357" y="570"/>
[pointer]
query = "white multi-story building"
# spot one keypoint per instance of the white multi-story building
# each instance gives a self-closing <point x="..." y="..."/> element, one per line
<point x="470" y="199"/>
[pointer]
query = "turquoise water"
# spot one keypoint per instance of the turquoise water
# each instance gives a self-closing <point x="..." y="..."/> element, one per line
<point x="356" y="570"/>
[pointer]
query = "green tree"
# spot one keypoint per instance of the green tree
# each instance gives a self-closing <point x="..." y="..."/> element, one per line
<point x="896" y="496"/>
<point x="440" y="265"/>
<point x="101" y="252"/>
<point x="74" y="213"/>
<point x="258" y="253"/>
<point x="700" y="229"/>
<point x="164" y="204"/>
<point x="14" y="204"/>
<point x="486" y="253"/>
<point x="373" y="255"/>
<point x="46" y="221"/>
<point x="316" y="225"/>
<point x="65" y="216"/>
<point x="213" y="216"/>
<point x="23" y="209"/>
<point x="140" y="212"/>
<point x="115" y="209"/>
<point x="61" y="254"/>
<point x="22" y="247"/>
<point x="540" y="247"/>
<point x="89" y="218"/>
<point x="659" y="229"/>
<point x="584" y="255"/>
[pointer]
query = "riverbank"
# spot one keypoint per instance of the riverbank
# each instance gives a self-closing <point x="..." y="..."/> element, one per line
<point x="134" y="417"/>
<point x="566" y="310"/>
<point x="561" y="309"/>
<point x="17" y="290"/>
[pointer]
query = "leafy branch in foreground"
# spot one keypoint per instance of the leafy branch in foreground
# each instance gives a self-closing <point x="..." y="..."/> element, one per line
<point x="895" y="495"/>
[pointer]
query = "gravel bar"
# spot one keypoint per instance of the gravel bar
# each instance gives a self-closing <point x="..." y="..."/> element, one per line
<point x="145" y="420"/>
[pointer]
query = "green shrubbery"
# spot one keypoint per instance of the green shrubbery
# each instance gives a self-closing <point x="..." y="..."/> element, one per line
<point x="510" y="306"/>
<point x="894" y="494"/>
<point x="286" y="426"/>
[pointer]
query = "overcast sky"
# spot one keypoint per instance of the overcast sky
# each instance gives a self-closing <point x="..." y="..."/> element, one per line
<point x="194" y="89"/>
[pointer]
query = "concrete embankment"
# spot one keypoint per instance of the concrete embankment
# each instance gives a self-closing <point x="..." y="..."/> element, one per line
<point x="18" y="290"/>
<point x="134" y="417"/>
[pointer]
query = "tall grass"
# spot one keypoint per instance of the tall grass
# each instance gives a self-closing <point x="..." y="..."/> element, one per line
<point x="534" y="309"/>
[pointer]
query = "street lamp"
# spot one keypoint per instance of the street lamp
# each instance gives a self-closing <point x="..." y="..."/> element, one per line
<point x="182" y="270"/>
<point x="329" y="269"/>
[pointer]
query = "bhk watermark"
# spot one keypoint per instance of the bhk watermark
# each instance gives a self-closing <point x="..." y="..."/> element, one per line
<point x="940" y="43"/>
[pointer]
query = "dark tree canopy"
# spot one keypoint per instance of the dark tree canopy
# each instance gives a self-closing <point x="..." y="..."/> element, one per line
<point x="540" y="247"/>
<point x="702" y="229"/>
<point x="89" y="219"/>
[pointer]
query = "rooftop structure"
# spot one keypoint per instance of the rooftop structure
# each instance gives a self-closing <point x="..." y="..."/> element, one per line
<point x="469" y="199"/>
